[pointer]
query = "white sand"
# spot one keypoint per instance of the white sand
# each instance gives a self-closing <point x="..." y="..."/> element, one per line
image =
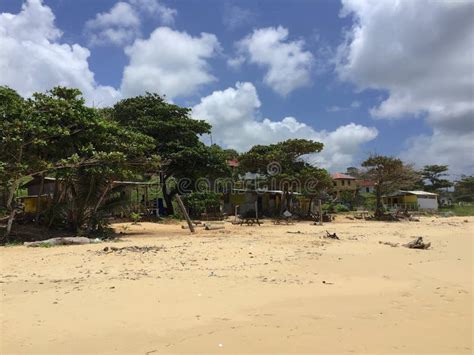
<point x="245" y="290"/>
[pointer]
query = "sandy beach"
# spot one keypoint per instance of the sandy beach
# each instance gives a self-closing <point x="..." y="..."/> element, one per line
<point x="267" y="289"/>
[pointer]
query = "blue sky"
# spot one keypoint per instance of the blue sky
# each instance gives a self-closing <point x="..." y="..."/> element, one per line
<point x="355" y="74"/>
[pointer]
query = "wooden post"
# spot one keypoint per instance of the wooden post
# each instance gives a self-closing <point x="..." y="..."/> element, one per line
<point x="235" y="213"/>
<point x="256" y="209"/>
<point x="146" y="198"/>
<point x="320" y="213"/>
<point x="185" y="213"/>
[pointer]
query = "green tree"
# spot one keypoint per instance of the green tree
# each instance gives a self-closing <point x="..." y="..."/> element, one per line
<point x="94" y="152"/>
<point x="389" y="174"/>
<point x="176" y="138"/>
<point x="434" y="175"/>
<point x="464" y="189"/>
<point x="19" y="133"/>
<point x="284" y="164"/>
<point x="55" y="133"/>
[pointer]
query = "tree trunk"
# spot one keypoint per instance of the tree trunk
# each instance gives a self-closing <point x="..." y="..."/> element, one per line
<point x="11" y="207"/>
<point x="185" y="213"/>
<point x="102" y="197"/>
<point x="10" y="222"/>
<point x="168" y="196"/>
<point x="38" y="199"/>
<point x="309" y="206"/>
<point x="378" y="202"/>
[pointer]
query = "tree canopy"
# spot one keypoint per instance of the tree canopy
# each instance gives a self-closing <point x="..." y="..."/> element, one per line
<point x="176" y="139"/>
<point x="389" y="174"/>
<point x="434" y="175"/>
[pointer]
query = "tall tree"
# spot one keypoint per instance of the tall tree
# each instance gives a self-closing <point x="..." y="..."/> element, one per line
<point x="434" y="175"/>
<point x="389" y="174"/>
<point x="176" y="137"/>
<point x="284" y="164"/>
<point x="19" y="133"/>
<point x="56" y="133"/>
<point x="464" y="189"/>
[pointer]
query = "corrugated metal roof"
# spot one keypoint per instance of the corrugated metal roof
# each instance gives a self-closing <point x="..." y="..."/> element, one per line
<point x="416" y="192"/>
<point x="366" y="183"/>
<point x="342" y="176"/>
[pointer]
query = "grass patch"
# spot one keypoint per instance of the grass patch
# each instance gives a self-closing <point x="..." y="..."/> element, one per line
<point x="467" y="210"/>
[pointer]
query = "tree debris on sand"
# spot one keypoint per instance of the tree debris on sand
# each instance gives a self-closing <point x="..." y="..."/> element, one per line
<point x="417" y="244"/>
<point x="134" y="248"/>
<point x="393" y="245"/>
<point x="209" y="227"/>
<point x="332" y="236"/>
<point x="60" y="241"/>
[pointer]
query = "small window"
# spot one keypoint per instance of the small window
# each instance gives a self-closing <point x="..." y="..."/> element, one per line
<point x="342" y="182"/>
<point x="349" y="182"/>
<point x="367" y="189"/>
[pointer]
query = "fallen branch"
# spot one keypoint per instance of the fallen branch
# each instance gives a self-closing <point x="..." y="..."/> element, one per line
<point x="332" y="236"/>
<point x="59" y="241"/>
<point x="417" y="244"/>
<point x="393" y="245"/>
<point x="209" y="227"/>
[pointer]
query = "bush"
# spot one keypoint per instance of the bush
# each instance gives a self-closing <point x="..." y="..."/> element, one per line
<point x="341" y="208"/>
<point x="328" y="207"/>
<point x="200" y="202"/>
<point x="135" y="217"/>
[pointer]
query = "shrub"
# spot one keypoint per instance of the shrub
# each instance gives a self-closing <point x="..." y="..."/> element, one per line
<point x="199" y="202"/>
<point x="341" y="208"/>
<point x="135" y="217"/>
<point x="328" y="207"/>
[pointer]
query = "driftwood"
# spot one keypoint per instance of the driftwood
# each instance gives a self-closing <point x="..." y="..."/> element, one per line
<point x="134" y="248"/>
<point x="393" y="245"/>
<point x="417" y="244"/>
<point x="332" y="236"/>
<point x="59" y="241"/>
<point x="196" y="226"/>
<point x="210" y="227"/>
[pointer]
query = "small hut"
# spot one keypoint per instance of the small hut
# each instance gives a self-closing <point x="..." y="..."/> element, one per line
<point x="412" y="200"/>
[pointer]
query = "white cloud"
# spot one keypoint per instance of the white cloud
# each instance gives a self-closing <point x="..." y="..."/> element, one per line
<point x="33" y="59"/>
<point x="236" y="62"/>
<point x="234" y="116"/>
<point x="353" y="106"/>
<point x="165" y="14"/>
<point x="235" y="17"/>
<point x="121" y="25"/>
<point x="288" y="64"/>
<point x="170" y="63"/>
<point x="420" y="52"/>
<point x="442" y="147"/>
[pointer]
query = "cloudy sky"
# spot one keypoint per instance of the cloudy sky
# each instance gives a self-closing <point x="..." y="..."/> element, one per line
<point x="391" y="77"/>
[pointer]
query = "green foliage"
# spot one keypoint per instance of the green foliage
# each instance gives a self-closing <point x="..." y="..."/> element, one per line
<point x="347" y="197"/>
<point x="287" y="154"/>
<point x="341" y="208"/>
<point x="459" y="210"/>
<point x="389" y="174"/>
<point x="368" y="201"/>
<point x="55" y="133"/>
<point x="284" y="162"/>
<point x="464" y="189"/>
<point x="135" y="217"/>
<point x="199" y="202"/>
<point x="434" y="175"/>
<point x="176" y="139"/>
<point x="328" y="207"/>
